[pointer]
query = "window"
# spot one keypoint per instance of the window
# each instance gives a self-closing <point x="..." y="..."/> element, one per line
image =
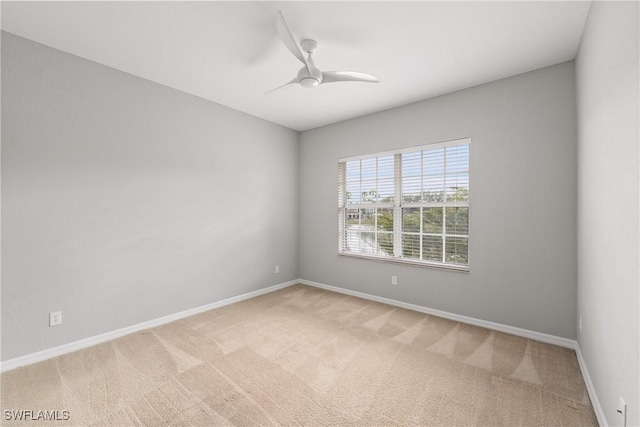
<point x="407" y="206"/>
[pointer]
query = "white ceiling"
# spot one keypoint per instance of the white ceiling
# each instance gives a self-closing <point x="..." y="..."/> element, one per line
<point x="230" y="53"/>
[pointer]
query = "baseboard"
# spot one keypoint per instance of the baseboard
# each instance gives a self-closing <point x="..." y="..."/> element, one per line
<point x="538" y="336"/>
<point x="87" y="342"/>
<point x="39" y="356"/>
<point x="602" y="420"/>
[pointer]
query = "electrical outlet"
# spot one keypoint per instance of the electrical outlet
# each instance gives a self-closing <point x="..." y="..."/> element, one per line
<point x="580" y="323"/>
<point x="277" y="269"/>
<point x="622" y="410"/>
<point x="55" y="318"/>
<point x="394" y="280"/>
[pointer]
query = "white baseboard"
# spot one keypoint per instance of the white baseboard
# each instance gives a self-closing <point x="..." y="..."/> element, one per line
<point x="538" y="336"/>
<point x="87" y="342"/>
<point x="39" y="356"/>
<point x="602" y="420"/>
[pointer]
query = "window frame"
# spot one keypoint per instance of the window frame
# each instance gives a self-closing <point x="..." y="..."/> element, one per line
<point x="398" y="205"/>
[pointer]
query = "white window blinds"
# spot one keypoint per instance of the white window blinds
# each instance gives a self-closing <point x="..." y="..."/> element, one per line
<point x="408" y="206"/>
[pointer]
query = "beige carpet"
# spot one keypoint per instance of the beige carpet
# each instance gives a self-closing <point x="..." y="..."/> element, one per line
<point x="305" y="356"/>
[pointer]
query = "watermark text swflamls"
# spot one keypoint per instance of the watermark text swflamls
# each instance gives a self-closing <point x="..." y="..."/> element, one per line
<point x="36" y="415"/>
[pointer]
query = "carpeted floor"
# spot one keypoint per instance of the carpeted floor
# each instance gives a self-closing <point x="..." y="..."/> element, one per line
<point x="305" y="356"/>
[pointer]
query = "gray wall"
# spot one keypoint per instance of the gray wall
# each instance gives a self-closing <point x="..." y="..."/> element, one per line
<point x="124" y="201"/>
<point x="522" y="207"/>
<point x="607" y="77"/>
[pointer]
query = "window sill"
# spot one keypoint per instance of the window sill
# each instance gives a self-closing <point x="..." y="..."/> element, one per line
<point x="436" y="265"/>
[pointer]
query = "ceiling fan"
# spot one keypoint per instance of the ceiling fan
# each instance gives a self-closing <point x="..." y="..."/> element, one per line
<point x="310" y="76"/>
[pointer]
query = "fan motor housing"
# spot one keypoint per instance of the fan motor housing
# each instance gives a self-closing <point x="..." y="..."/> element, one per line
<point x="309" y="80"/>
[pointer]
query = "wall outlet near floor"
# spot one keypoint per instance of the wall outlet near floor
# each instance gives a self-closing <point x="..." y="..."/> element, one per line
<point x="55" y="318"/>
<point x="277" y="269"/>
<point x="622" y="410"/>
<point x="394" y="280"/>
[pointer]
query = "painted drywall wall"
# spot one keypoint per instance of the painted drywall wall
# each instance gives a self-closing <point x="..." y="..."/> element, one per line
<point x="124" y="201"/>
<point x="522" y="203"/>
<point x="607" y="76"/>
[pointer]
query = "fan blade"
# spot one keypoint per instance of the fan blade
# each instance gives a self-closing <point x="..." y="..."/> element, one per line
<point x="347" y="76"/>
<point x="294" y="80"/>
<point x="289" y="41"/>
